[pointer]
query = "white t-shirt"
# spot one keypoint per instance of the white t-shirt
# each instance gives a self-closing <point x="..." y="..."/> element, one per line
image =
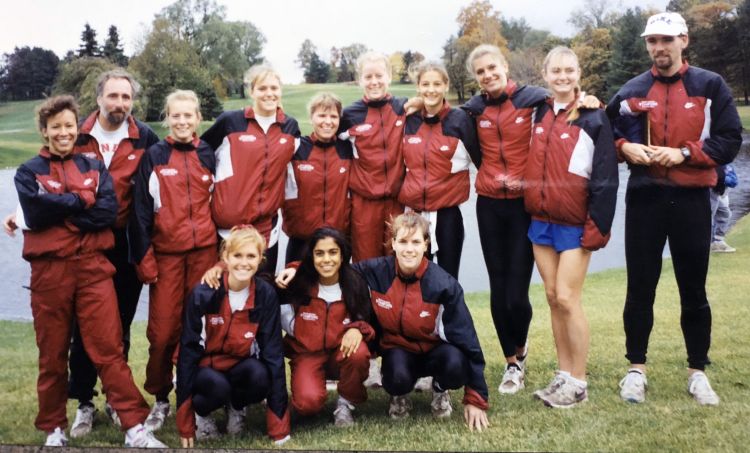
<point x="109" y="140"/>
<point x="559" y="106"/>
<point x="237" y="299"/>
<point x="265" y="121"/>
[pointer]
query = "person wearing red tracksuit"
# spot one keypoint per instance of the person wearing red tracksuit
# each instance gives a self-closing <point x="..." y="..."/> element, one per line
<point x="503" y="115"/>
<point x="317" y="183"/>
<point x="111" y="135"/>
<point x="172" y="236"/>
<point x="253" y="147"/>
<point x="324" y="313"/>
<point x="436" y="152"/>
<point x="375" y="126"/>
<point x="67" y="206"/>
<point x="570" y="190"/>
<point x="231" y="351"/>
<point x="673" y="125"/>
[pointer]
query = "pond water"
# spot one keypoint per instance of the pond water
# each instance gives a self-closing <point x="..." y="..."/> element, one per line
<point x="14" y="271"/>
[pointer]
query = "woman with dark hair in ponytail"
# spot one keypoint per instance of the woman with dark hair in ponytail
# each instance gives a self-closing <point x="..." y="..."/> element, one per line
<point x="325" y="314"/>
<point x="570" y="190"/>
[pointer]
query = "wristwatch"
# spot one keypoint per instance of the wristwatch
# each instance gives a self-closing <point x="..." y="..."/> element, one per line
<point x="685" y="153"/>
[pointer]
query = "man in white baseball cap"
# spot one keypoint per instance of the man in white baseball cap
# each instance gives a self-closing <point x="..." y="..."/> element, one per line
<point x="673" y="124"/>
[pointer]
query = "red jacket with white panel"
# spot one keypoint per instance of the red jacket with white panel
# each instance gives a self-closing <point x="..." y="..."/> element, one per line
<point x="571" y="174"/>
<point x="437" y="155"/>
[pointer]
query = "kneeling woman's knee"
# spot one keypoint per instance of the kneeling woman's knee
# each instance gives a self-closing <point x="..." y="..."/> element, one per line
<point x="308" y="400"/>
<point x="453" y="370"/>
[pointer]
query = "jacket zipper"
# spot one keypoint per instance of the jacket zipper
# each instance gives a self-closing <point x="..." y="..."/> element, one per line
<point x="190" y="199"/>
<point x="500" y="149"/>
<point x="426" y="158"/>
<point x="385" y="152"/>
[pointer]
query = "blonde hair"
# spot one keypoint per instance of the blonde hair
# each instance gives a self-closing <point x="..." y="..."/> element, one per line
<point x="411" y="221"/>
<point x="324" y="101"/>
<point x="373" y="57"/>
<point x="257" y="73"/>
<point x="181" y="95"/>
<point x="417" y="71"/>
<point x="482" y="50"/>
<point x="573" y="114"/>
<point x="241" y="236"/>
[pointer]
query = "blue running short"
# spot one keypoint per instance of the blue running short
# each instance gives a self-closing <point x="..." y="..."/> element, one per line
<point x="559" y="237"/>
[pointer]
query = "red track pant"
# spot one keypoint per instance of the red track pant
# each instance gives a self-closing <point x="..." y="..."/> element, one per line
<point x="309" y="378"/>
<point x="178" y="274"/>
<point x="371" y="235"/>
<point x="80" y="288"/>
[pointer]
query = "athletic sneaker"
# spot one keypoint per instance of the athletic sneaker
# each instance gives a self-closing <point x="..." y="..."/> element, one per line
<point x="156" y="417"/>
<point x="84" y="421"/>
<point x="112" y="414"/>
<point x="374" y="379"/>
<point x="441" y="404"/>
<point x="399" y="407"/>
<point x="554" y="384"/>
<point x="205" y="428"/>
<point x="142" y="438"/>
<point x="633" y="386"/>
<point x="424" y="384"/>
<point x="699" y="387"/>
<point x="513" y="379"/>
<point x="56" y="439"/>
<point x="342" y="415"/>
<point x="721" y="246"/>
<point x="235" y="420"/>
<point x="566" y="396"/>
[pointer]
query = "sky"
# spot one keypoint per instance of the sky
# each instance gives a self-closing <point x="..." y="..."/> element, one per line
<point x="383" y="25"/>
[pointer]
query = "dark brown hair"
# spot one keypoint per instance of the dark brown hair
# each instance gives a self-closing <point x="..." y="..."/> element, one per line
<point x="54" y="105"/>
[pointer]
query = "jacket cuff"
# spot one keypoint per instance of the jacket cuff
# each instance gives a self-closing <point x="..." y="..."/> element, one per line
<point x="278" y="428"/>
<point x="472" y="397"/>
<point x="618" y="146"/>
<point x="368" y="333"/>
<point x="592" y="237"/>
<point x="147" y="270"/>
<point x="698" y="157"/>
<point x="185" y="419"/>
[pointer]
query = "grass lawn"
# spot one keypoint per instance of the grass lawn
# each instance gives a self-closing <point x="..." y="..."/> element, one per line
<point x="669" y="420"/>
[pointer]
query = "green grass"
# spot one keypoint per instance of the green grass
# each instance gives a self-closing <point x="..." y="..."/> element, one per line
<point x="19" y="139"/>
<point x="669" y="420"/>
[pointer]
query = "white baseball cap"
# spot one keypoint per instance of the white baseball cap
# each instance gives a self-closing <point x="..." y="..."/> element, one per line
<point x="667" y="24"/>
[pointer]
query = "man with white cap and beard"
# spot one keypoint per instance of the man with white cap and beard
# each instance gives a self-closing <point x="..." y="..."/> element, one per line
<point x="673" y="125"/>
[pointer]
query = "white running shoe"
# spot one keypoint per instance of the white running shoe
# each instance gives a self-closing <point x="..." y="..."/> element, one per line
<point x="700" y="388"/>
<point x="84" y="421"/>
<point x="342" y="415"/>
<point x="156" y="417"/>
<point x="374" y="378"/>
<point x="633" y="386"/>
<point x="112" y="414"/>
<point x="235" y="420"/>
<point x="557" y="381"/>
<point x="142" y="438"/>
<point x="722" y="247"/>
<point x="56" y="438"/>
<point x="399" y="407"/>
<point x="205" y="428"/>
<point x="424" y="384"/>
<point x="566" y="395"/>
<point x="441" y="404"/>
<point x="513" y="379"/>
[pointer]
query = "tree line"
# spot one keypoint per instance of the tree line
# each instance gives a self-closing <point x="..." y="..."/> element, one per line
<point x="191" y="44"/>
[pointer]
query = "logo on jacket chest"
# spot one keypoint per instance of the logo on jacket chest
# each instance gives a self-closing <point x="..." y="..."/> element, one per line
<point x="90" y="155"/>
<point x="485" y="124"/>
<point x="689" y="105"/>
<point x="215" y="320"/>
<point x="414" y="140"/>
<point x="519" y="120"/>
<point x="305" y="167"/>
<point x="363" y="127"/>
<point x="249" y="335"/>
<point x="307" y="316"/>
<point x="248" y="138"/>
<point x="564" y="135"/>
<point x="168" y="172"/>
<point x="424" y="314"/>
<point x="346" y="321"/>
<point x="539" y="130"/>
<point x="445" y="148"/>
<point x="382" y="303"/>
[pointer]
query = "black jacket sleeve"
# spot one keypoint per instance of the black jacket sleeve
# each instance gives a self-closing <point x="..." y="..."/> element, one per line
<point x="271" y="345"/>
<point x="141" y="222"/>
<point x="41" y="210"/>
<point x="104" y="212"/>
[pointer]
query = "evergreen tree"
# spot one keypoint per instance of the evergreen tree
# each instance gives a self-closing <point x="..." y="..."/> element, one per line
<point x="89" y="47"/>
<point x="112" y="49"/>
<point x="28" y="73"/>
<point x="629" y="56"/>
<point x="317" y="70"/>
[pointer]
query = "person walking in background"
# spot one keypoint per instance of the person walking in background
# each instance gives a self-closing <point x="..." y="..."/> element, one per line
<point x="693" y="126"/>
<point x="570" y="190"/>
<point x="253" y="147"/>
<point x="172" y="236"/>
<point x="437" y="144"/>
<point x="67" y="207"/>
<point x="721" y="214"/>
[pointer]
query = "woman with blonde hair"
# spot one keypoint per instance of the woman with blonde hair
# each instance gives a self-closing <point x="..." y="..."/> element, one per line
<point x="172" y="236"/>
<point x="253" y="147"/>
<point x="570" y="191"/>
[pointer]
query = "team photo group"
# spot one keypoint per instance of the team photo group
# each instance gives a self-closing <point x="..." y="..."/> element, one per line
<point x="369" y="294"/>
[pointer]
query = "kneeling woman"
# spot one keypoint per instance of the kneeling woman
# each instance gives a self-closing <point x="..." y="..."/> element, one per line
<point x="424" y="326"/>
<point x="570" y="192"/>
<point x="231" y="351"/>
<point x="325" y="314"/>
